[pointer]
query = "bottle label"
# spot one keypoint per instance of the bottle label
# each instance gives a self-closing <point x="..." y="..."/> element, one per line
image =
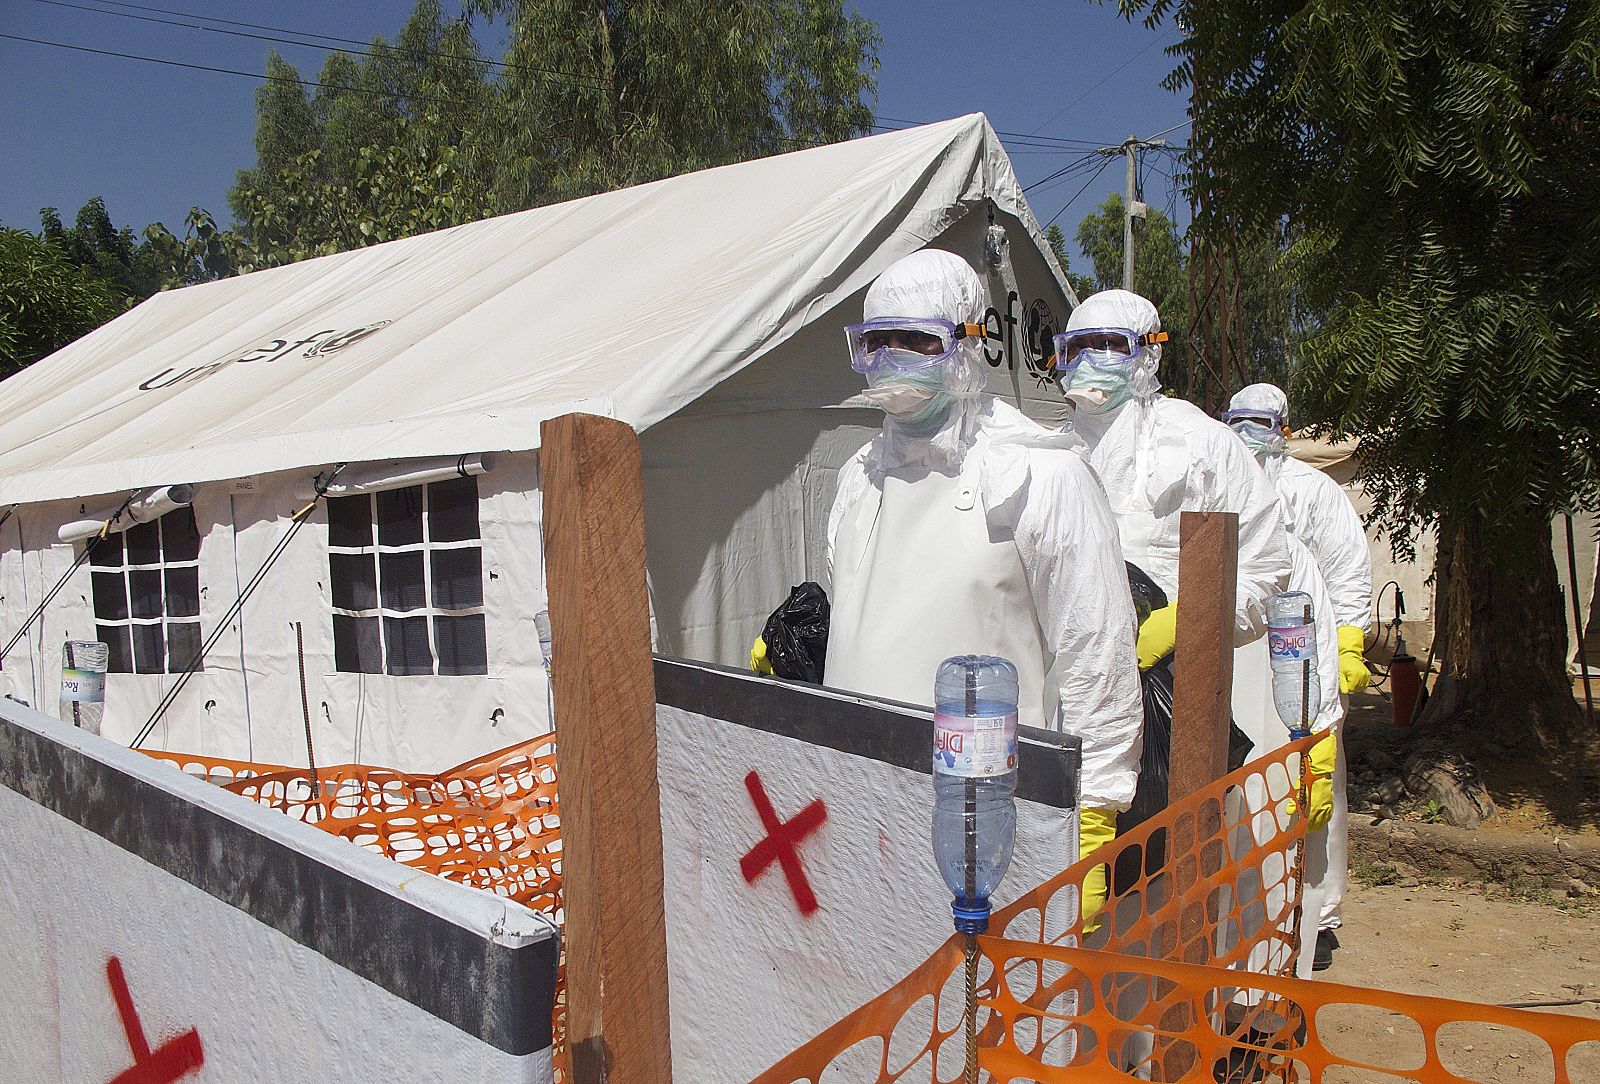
<point x="83" y="686"/>
<point x="1292" y="643"/>
<point x="974" y="746"/>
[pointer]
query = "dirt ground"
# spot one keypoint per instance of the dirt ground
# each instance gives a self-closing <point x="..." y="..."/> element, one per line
<point x="1459" y="942"/>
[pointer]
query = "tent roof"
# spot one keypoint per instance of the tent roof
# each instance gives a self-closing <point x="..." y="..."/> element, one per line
<point x="630" y="304"/>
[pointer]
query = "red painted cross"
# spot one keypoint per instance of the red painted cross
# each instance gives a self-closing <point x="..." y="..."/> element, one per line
<point x="172" y="1060"/>
<point x="782" y="843"/>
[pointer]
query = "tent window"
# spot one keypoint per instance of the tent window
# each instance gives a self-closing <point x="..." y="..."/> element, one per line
<point x="405" y="568"/>
<point x="146" y="586"/>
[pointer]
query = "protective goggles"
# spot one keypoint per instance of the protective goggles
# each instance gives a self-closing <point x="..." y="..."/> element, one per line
<point x="1122" y="344"/>
<point x="906" y="345"/>
<point x="1269" y="419"/>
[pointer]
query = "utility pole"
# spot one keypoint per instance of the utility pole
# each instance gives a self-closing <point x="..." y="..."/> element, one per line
<point x="1132" y="208"/>
<point x="1127" y="215"/>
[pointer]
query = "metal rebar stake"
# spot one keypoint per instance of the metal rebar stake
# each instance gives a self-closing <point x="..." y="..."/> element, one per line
<point x="971" y="1075"/>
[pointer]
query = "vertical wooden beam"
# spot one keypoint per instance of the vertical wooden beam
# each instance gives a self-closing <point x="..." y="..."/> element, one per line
<point x="611" y="866"/>
<point x="1202" y="679"/>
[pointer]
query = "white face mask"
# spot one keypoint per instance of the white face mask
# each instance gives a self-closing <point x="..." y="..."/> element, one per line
<point x="898" y="399"/>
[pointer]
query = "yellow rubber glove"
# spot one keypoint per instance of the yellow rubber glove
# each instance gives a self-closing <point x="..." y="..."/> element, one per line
<point x="1096" y="828"/>
<point x="1353" y="673"/>
<point x="1158" y="635"/>
<point x="758" y="658"/>
<point x="1324" y="758"/>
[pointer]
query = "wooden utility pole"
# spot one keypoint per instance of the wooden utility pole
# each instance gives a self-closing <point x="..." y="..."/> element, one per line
<point x="1202" y="678"/>
<point x="611" y="865"/>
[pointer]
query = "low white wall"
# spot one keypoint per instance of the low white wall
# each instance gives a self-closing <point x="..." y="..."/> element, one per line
<point x="286" y="952"/>
<point x="754" y="975"/>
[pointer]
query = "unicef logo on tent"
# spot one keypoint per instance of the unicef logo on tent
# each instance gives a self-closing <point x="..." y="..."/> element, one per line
<point x="1039" y="328"/>
<point x="318" y="344"/>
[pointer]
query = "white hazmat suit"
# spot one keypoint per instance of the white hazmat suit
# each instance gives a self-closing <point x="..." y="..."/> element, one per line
<point x="976" y="530"/>
<point x="1321" y="517"/>
<point x="1159" y="457"/>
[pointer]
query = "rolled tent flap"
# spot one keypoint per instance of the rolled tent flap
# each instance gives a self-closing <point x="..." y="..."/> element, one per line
<point x="375" y="477"/>
<point x="149" y="505"/>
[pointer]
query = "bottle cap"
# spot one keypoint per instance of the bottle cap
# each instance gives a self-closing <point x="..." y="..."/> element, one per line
<point x="972" y="916"/>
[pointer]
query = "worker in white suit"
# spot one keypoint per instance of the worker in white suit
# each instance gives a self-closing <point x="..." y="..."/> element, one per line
<point x="1321" y="517"/>
<point x="965" y="527"/>
<point x="1159" y="457"/>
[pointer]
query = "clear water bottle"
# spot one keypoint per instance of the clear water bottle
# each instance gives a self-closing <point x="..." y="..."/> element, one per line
<point x="83" y="683"/>
<point x="1292" y="638"/>
<point x="974" y="781"/>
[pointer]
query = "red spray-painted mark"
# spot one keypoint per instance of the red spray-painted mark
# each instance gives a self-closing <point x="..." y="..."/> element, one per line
<point x="782" y="843"/>
<point x="172" y="1060"/>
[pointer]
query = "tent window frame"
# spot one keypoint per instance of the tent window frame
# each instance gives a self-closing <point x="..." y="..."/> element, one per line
<point x="394" y="594"/>
<point x="128" y="634"/>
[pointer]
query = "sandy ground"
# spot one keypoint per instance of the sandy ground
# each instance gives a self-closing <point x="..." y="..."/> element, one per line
<point x="1458" y="943"/>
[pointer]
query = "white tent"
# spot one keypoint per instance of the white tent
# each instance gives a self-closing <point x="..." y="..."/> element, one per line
<point x="704" y="310"/>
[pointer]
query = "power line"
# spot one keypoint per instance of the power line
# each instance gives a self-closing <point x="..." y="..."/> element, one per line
<point x="1107" y="78"/>
<point x="233" y="71"/>
<point x="359" y="46"/>
<point x="1078" y="193"/>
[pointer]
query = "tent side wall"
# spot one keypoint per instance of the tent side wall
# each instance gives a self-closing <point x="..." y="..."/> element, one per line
<point x="739" y="484"/>
<point x="246" y="702"/>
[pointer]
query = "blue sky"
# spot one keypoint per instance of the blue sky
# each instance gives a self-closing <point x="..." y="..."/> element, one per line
<point x="155" y="140"/>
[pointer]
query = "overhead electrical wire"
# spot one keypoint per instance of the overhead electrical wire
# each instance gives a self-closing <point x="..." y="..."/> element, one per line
<point x="1106" y="79"/>
<point x="352" y="45"/>
<point x="1078" y="193"/>
<point x="1013" y="140"/>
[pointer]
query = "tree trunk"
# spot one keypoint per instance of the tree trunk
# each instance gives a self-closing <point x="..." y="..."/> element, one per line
<point x="1503" y="639"/>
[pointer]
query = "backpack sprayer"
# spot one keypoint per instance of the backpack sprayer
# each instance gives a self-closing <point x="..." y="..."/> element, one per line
<point x="1406" y="691"/>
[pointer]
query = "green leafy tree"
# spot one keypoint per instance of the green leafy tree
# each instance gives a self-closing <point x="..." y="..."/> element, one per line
<point x="1439" y="164"/>
<point x="424" y="132"/>
<point x="46" y="299"/>
<point x="612" y="94"/>
<point x="396" y="141"/>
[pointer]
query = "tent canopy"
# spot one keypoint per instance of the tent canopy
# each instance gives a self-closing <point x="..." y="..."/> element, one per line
<point x="630" y="304"/>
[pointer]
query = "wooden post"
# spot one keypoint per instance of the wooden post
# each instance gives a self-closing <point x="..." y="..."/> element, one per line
<point x="1202" y="679"/>
<point x="605" y="711"/>
<point x="1202" y="693"/>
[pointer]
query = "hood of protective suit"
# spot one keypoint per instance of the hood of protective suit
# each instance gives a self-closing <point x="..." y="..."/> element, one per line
<point x="1104" y="391"/>
<point x="930" y="284"/>
<point x="1267" y="444"/>
<point x="1267" y="398"/>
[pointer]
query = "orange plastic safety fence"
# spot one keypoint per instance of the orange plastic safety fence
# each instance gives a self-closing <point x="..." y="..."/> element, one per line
<point x="1211" y="879"/>
<point x="1218" y="1024"/>
<point x="492" y="822"/>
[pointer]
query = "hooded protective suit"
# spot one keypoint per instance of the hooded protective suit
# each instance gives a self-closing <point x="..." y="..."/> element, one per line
<point x="1320" y="517"/>
<point x="977" y="530"/>
<point x="1159" y="457"/>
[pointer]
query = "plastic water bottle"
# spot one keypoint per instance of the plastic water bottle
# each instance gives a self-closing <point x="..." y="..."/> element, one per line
<point x="974" y="781"/>
<point x="1292" y="638"/>
<point x="83" y="683"/>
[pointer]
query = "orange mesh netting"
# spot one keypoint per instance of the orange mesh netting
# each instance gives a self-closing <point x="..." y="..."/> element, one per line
<point x="1121" y="1008"/>
<point x="492" y="822"/>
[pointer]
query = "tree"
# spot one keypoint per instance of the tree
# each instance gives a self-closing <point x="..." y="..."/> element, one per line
<point x="395" y="141"/>
<point x="46" y="299"/>
<point x="1158" y="272"/>
<point x="425" y="132"/>
<point x="1439" y="165"/>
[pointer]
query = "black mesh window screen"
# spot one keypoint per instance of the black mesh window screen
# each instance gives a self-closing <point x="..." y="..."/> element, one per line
<point x="405" y="571"/>
<point x="146" y="589"/>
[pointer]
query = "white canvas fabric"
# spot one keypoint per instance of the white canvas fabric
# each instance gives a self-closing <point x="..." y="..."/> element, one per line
<point x="630" y="304"/>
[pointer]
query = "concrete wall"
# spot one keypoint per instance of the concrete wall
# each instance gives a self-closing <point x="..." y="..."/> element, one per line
<point x="154" y="921"/>
<point x="760" y="962"/>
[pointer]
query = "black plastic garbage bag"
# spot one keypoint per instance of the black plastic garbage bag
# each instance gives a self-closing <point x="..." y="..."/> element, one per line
<point x="797" y="634"/>
<point x="1150" y="796"/>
